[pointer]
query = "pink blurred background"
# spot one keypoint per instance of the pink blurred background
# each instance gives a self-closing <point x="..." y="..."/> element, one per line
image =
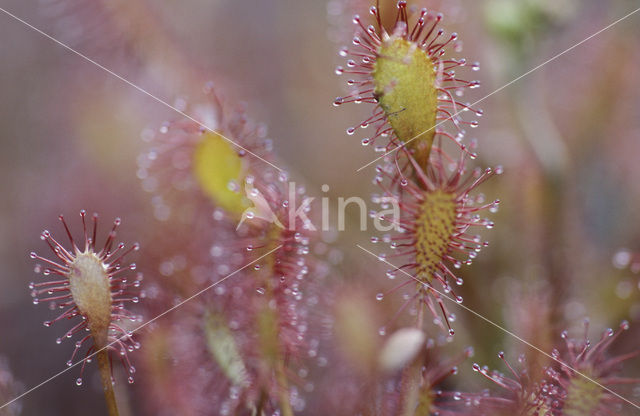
<point x="568" y="136"/>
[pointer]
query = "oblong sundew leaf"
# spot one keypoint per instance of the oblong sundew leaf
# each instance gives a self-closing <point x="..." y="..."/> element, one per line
<point x="224" y="350"/>
<point x="405" y="86"/>
<point x="89" y="284"/>
<point x="425" y="402"/>
<point x="215" y="164"/>
<point x="584" y="397"/>
<point x="434" y="228"/>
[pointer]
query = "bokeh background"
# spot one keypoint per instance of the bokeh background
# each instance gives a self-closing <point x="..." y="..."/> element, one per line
<point x="568" y="136"/>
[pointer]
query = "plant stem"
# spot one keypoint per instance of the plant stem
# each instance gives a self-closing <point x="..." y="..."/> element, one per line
<point x="412" y="378"/>
<point x="107" y="385"/>
<point x="283" y="389"/>
<point x="260" y="406"/>
<point x="269" y="330"/>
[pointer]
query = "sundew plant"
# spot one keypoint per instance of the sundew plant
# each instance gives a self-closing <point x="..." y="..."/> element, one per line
<point x="341" y="207"/>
